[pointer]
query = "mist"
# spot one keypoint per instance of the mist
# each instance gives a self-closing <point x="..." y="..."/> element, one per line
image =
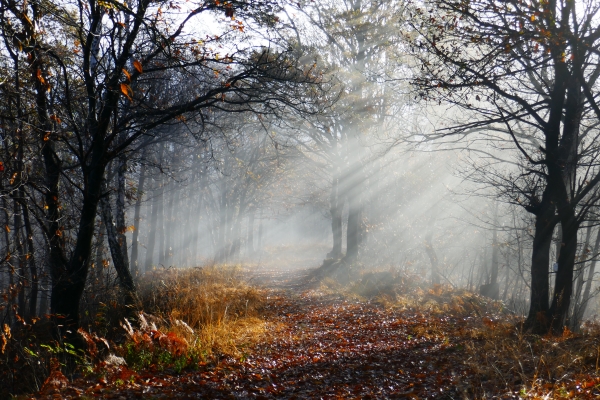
<point x="165" y="166"/>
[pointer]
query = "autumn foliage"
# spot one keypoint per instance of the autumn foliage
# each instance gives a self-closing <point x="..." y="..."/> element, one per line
<point x="213" y="335"/>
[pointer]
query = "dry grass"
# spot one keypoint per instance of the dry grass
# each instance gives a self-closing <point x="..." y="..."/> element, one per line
<point x="532" y="366"/>
<point x="504" y="360"/>
<point x="487" y="338"/>
<point x="221" y="309"/>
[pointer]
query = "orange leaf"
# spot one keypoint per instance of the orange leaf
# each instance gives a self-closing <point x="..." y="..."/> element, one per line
<point x="127" y="75"/>
<point x="40" y="77"/>
<point x="126" y="90"/>
<point x="138" y="66"/>
<point x="3" y="343"/>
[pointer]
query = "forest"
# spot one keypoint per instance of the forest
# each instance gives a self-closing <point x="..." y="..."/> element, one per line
<point x="299" y="199"/>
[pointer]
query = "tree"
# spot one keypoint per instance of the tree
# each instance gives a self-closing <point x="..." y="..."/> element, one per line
<point x="526" y="70"/>
<point x="356" y="40"/>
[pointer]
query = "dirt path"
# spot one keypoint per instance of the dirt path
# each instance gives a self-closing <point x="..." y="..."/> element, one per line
<point x="323" y="346"/>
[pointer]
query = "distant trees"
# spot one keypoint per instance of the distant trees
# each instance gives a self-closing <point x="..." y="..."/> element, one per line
<point x="357" y="41"/>
<point x="527" y="72"/>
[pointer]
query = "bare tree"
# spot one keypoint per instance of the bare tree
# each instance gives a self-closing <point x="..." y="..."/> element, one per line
<point x="521" y="71"/>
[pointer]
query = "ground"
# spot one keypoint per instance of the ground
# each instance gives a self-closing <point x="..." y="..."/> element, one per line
<point x="331" y="346"/>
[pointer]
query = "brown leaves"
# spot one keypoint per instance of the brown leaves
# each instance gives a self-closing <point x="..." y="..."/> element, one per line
<point x="13" y="178"/>
<point x="3" y="343"/>
<point x="4" y="337"/>
<point x="124" y="86"/>
<point x="124" y="229"/>
<point x="56" y="382"/>
<point x="127" y="91"/>
<point x="138" y="66"/>
<point x="328" y="346"/>
<point x="39" y="76"/>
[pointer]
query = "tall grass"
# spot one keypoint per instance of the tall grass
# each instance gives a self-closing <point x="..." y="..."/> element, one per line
<point x="212" y="307"/>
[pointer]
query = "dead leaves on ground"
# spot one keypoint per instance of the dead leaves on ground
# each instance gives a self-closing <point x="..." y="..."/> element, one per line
<point x="328" y="346"/>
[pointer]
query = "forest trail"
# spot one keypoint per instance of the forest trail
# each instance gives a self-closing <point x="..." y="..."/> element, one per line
<point x="328" y="346"/>
<point x="320" y="346"/>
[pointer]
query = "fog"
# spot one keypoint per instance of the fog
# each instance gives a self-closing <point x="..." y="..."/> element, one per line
<point x="365" y="135"/>
<point x="259" y="198"/>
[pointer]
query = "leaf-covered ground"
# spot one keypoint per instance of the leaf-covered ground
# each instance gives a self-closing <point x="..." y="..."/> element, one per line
<point x="324" y="345"/>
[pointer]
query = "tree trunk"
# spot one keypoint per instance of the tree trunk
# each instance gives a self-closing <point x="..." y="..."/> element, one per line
<point x="19" y="258"/>
<point x="558" y="242"/>
<point x="136" y="221"/>
<point x="151" y="245"/>
<point x="237" y="226"/>
<point x="68" y="279"/>
<point x="250" y="231"/>
<point x="99" y="252"/>
<point x="588" y="285"/>
<point x="259" y="245"/>
<point x="353" y="184"/>
<point x="196" y="216"/>
<point x="161" y="222"/>
<point x="492" y="288"/>
<point x="229" y="230"/>
<point x="121" y="224"/>
<point x="580" y="300"/>
<point x="495" y="266"/>
<point x="353" y="228"/>
<point x="176" y="230"/>
<point x="30" y="258"/>
<point x="435" y="277"/>
<point x="120" y="260"/>
<point x="506" y="279"/>
<point x="169" y="224"/>
<point x="69" y="283"/>
<point x="579" y="279"/>
<point x="220" y="257"/>
<point x="44" y="297"/>
<point x="545" y="222"/>
<point x="11" y="271"/>
<point x="336" y="207"/>
<point x="561" y="176"/>
<point x="156" y="199"/>
<point x="563" y="287"/>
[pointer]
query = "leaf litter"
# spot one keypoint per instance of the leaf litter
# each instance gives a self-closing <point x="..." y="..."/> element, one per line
<point x="330" y="344"/>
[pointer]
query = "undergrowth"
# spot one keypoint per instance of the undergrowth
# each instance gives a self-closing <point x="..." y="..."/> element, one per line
<point x="191" y="317"/>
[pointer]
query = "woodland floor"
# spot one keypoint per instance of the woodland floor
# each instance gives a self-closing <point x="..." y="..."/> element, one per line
<point x="324" y="345"/>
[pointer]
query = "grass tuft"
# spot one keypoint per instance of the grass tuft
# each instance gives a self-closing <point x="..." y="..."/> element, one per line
<point x="212" y="308"/>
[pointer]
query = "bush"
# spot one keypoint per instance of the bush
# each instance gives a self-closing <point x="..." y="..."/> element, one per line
<point x="193" y="315"/>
